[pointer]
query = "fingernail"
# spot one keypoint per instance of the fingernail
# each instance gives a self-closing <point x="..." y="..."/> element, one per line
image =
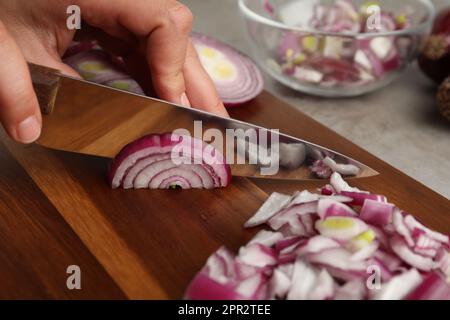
<point x="185" y="101"/>
<point x="28" y="130"/>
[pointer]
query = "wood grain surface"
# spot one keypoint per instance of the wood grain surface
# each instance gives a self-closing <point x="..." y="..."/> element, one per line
<point x="56" y="210"/>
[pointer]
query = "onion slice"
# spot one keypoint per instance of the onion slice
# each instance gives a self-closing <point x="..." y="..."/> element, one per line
<point x="162" y="161"/>
<point x="235" y="75"/>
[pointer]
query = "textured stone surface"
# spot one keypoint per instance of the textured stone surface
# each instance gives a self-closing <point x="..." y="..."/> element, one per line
<point x="398" y="124"/>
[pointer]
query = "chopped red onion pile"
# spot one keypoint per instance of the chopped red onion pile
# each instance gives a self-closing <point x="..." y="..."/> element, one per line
<point x="340" y="60"/>
<point x="235" y="75"/>
<point x="164" y="161"/>
<point x="333" y="245"/>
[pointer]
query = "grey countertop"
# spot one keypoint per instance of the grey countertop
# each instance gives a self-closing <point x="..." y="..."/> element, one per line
<point x="398" y="124"/>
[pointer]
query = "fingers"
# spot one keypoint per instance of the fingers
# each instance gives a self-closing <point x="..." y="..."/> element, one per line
<point x="19" y="108"/>
<point x="166" y="54"/>
<point x="163" y="28"/>
<point x="199" y="86"/>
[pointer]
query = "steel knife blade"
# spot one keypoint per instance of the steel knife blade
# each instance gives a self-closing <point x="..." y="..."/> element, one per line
<point x="88" y="118"/>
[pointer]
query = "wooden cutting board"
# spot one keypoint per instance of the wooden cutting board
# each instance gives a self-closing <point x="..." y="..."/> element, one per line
<point x="56" y="210"/>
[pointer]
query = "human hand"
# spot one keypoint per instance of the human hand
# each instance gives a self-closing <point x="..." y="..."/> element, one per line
<point x="151" y="36"/>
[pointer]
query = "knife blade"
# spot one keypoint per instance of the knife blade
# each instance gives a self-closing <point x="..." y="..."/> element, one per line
<point x="88" y="118"/>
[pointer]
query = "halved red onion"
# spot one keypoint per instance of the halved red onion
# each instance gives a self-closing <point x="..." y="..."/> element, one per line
<point x="235" y="75"/>
<point x="166" y="160"/>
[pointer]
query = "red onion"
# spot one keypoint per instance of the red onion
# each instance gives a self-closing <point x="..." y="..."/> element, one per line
<point x="166" y="160"/>
<point x="399" y="286"/>
<point x="330" y="208"/>
<point x="335" y="61"/>
<point x="98" y="66"/>
<point x="358" y="235"/>
<point x="433" y="287"/>
<point x="235" y="75"/>
<point x="359" y="197"/>
<point x="377" y="213"/>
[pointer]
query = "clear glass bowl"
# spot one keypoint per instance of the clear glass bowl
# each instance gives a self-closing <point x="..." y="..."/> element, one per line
<point x="310" y="55"/>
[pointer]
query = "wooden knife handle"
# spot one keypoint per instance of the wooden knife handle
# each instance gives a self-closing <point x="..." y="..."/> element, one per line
<point x="46" y="84"/>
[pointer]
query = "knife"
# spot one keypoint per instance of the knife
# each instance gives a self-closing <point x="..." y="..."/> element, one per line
<point x="88" y="118"/>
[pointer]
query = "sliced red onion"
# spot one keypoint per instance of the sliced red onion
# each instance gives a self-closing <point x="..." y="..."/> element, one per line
<point x="303" y="197"/>
<point x="153" y="162"/>
<point x="390" y="261"/>
<point x="412" y="224"/>
<point x="97" y="66"/>
<point x="203" y="287"/>
<point x="352" y="290"/>
<point x="337" y="258"/>
<point x="366" y="252"/>
<point x="272" y="206"/>
<point x="287" y="242"/>
<point x="291" y="215"/>
<point x="400" y="247"/>
<point x="324" y="288"/>
<point x="399" y="286"/>
<point x="359" y="197"/>
<point x="401" y="228"/>
<point x="345" y="169"/>
<point x="433" y="287"/>
<point x="339" y="184"/>
<point x="267" y="238"/>
<point x="377" y="213"/>
<point x="317" y="244"/>
<point x="253" y="288"/>
<point x="298" y="263"/>
<point x="303" y="281"/>
<point x="330" y="208"/>
<point x="257" y="255"/>
<point x="280" y="284"/>
<point x="235" y="75"/>
<point x="386" y="274"/>
<point x="341" y="228"/>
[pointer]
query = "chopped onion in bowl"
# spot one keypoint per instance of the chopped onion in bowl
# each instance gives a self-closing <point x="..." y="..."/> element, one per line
<point x="333" y="253"/>
<point x="340" y="59"/>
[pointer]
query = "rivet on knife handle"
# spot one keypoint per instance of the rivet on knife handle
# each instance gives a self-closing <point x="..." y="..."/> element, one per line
<point x="46" y="83"/>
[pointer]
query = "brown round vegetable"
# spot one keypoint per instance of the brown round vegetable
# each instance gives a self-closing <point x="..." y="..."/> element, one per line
<point x="443" y="99"/>
<point x="434" y="59"/>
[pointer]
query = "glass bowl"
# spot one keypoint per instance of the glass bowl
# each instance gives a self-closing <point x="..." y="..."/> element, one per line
<point x="336" y="48"/>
